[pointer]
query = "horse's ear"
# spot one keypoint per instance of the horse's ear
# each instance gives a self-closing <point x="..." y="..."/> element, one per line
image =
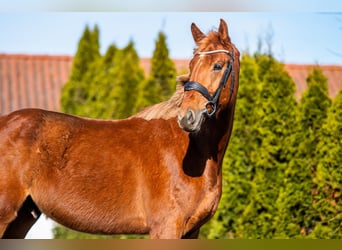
<point x="223" y="31"/>
<point x="197" y="34"/>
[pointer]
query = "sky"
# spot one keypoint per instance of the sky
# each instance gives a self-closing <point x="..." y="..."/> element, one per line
<point x="296" y="36"/>
<point x="302" y="31"/>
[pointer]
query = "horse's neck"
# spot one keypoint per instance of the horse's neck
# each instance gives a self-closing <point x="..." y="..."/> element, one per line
<point x="208" y="146"/>
<point x="223" y="126"/>
<point x="220" y="129"/>
<point x="227" y="124"/>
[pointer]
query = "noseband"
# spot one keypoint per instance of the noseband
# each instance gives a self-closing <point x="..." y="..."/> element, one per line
<point x="211" y="105"/>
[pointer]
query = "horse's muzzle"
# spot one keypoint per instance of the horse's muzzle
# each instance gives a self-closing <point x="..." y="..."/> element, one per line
<point x="191" y="121"/>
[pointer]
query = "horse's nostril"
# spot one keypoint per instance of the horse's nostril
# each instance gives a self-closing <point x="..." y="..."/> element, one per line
<point x="189" y="121"/>
<point x="190" y="116"/>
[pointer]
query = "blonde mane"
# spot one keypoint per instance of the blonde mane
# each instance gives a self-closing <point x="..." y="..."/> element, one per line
<point x="167" y="109"/>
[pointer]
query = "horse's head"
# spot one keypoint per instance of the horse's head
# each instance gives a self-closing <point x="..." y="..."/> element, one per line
<point x="213" y="79"/>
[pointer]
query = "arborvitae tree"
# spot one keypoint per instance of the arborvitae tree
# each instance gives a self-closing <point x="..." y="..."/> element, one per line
<point x="162" y="80"/>
<point x="328" y="179"/>
<point x="74" y="91"/>
<point x="128" y="75"/>
<point x="237" y="168"/>
<point x="148" y="94"/>
<point x="315" y="102"/>
<point x="88" y="51"/>
<point x="101" y="79"/>
<point x="295" y="216"/>
<point x="163" y="70"/>
<point x="274" y="127"/>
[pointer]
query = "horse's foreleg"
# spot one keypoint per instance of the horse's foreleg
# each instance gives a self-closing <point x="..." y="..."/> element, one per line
<point x="167" y="233"/>
<point x="164" y="234"/>
<point x="166" y="229"/>
<point x="7" y="215"/>
<point x="192" y="235"/>
<point x="15" y="212"/>
<point x="26" y="217"/>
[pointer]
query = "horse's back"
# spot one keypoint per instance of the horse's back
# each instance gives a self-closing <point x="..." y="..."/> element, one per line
<point x="18" y="130"/>
<point x="22" y="132"/>
<point x="27" y="124"/>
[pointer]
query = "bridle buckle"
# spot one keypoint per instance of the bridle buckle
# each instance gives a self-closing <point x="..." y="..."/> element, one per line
<point x="210" y="108"/>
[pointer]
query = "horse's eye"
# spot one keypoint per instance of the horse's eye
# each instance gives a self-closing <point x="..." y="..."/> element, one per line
<point x="217" y="66"/>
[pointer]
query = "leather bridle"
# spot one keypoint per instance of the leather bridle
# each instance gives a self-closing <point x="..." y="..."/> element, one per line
<point x="211" y="105"/>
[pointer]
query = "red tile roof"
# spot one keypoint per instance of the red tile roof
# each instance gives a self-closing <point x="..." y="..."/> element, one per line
<point x="32" y="81"/>
<point x="299" y="73"/>
<point x="35" y="80"/>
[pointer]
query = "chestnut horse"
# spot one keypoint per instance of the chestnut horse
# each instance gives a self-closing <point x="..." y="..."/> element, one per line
<point x="158" y="172"/>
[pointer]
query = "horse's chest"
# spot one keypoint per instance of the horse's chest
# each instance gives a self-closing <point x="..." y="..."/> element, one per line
<point x="208" y="205"/>
<point x="203" y="210"/>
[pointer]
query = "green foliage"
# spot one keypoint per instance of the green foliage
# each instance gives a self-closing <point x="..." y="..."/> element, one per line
<point x="258" y="151"/>
<point x="74" y="91"/>
<point x="163" y="70"/>
<point x="274" y="125"/>
<point x="88" y="51"/>
<point x="315" y="102"/>
<point x="101" y="79"/>
<point x="312" y="114"/>
<point x="281" y="176"/>
<point x="128" y="75"/>
<point x="102" y="86"/>
<point x="162" y="81"/>
<point x="149" y="94"/>
<point x="296" y="216"/>
<point x="328" y="196"/>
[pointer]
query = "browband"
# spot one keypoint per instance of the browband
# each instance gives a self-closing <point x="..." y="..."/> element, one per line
<point x="213" y="52"/>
